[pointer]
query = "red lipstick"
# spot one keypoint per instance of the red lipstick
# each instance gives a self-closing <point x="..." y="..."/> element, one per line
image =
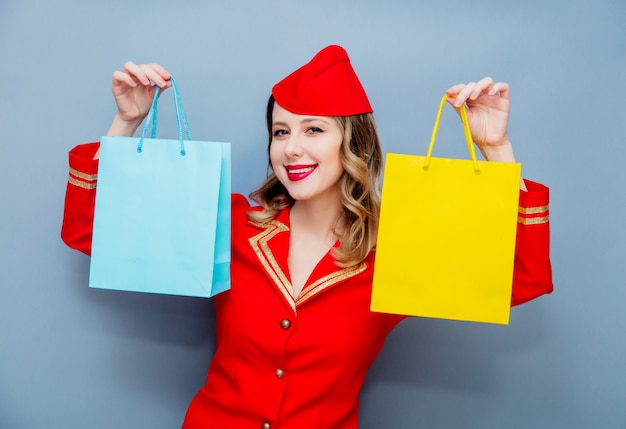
<point x="299" y="172"/>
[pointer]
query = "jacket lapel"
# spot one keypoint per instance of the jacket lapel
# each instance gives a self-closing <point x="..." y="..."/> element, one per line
<point x="271" y="246"/>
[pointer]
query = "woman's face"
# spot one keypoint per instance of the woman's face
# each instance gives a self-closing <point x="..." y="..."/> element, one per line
<point x="305" y="155"/>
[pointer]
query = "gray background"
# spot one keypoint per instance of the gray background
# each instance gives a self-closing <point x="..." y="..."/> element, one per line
<point x="72" y="357"/>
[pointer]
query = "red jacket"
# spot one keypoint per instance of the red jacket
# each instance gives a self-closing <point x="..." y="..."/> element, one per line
<point x="296" y="363"/>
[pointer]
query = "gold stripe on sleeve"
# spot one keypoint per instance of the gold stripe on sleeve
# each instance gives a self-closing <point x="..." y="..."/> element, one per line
<point x="533" y="210"/>
<point x="81" y="184"/>
<point x="84" y="176"/>
<point x="533" y="220"/>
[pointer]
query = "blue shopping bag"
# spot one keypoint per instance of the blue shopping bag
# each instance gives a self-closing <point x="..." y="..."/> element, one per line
<point x="162" y="213"/>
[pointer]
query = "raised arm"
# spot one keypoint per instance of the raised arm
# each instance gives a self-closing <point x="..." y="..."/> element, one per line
<point x="488" y="107"/>
<point x="133" y="88"/>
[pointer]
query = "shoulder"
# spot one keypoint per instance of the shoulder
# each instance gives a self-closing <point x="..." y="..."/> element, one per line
<point x="240" y="206"/>
<point x="239" y="201"/>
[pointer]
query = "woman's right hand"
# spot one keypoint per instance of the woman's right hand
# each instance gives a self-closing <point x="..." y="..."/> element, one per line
<point x="133" y="88"/>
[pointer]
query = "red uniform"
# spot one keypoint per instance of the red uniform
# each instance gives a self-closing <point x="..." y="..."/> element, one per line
<point x="296" y="363"/>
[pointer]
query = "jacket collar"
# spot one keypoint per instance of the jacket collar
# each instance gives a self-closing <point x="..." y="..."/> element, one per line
<point x="271" y="246"/>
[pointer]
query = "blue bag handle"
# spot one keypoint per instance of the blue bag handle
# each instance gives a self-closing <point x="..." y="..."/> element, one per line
<point x="180" y="114"/>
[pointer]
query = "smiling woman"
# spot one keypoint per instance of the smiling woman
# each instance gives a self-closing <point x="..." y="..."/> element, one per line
<point x="295" y="334"/>
<point x="360" y="156"/>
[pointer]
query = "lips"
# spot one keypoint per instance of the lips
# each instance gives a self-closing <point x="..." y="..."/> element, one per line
<point x="299" y="172"/>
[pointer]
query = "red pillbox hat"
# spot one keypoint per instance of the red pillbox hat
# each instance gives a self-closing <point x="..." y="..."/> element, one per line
<point x="326" y="86"/>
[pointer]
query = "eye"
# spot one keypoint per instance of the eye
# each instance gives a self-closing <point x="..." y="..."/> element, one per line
<point x="314" y="130"/>
<point x="280" y="133"/>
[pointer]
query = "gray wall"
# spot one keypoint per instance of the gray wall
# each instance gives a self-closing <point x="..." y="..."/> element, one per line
<point x="72" y="357"/>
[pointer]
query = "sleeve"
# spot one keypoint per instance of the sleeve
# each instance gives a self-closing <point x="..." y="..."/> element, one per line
<point x="532" y="275"/>
<point x="80" y="197"/>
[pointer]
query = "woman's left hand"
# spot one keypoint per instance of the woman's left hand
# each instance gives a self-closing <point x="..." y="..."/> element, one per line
<point x="488" y="105"/>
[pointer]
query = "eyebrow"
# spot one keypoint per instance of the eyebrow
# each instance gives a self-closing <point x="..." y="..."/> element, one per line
<point x="304" y="121"/>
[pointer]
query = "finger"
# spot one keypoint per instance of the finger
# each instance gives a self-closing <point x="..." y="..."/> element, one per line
<point x="464" y="94"/>
<point x="454" y="90"/>
<point x="458" y="93"/>
<point x="120" y="77"/>
<point x="501" y="88"/>
<point x="162" y="71"/>
<point x="157" y="74"/>
<point x="483" y="85"/>
<point x="136" y="72"/>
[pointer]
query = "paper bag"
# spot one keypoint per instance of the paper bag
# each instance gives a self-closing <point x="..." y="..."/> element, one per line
<point x="162" y="213"/>
<point x="446" y="241"/>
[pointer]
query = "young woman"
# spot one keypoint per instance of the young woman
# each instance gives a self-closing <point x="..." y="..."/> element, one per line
<point x="295" y="335"/>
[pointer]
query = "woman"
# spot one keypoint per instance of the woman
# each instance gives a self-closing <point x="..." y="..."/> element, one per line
<point x="295" y="335"/>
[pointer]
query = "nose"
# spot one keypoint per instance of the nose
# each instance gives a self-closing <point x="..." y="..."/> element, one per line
<point x="294" y="146"/>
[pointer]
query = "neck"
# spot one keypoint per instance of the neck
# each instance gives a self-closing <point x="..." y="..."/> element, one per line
<point x="321" y="219"/>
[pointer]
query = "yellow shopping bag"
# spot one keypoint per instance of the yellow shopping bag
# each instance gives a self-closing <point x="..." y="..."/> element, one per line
<point x="446" y="240"/>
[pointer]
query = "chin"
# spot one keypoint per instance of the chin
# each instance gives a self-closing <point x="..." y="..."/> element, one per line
<point x="300" y="197"/>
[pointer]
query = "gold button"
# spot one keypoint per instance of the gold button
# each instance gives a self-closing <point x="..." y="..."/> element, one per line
<point x="265" y="425"/>
<point x="285" y="324"/>
<point x="280" y="373"/>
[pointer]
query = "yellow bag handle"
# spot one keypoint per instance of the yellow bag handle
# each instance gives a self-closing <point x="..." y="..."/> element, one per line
<point x="466" y="130"/>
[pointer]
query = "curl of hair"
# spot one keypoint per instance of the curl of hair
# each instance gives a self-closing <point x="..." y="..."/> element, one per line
<point x="361" y="157"/>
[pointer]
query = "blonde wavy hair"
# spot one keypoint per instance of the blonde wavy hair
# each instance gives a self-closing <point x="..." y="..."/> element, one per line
<point x="361" y="157"/>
